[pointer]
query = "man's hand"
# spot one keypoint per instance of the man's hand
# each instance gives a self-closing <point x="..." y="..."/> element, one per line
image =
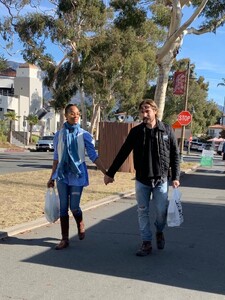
<point x="108" y="179"/>
<point x="175" y="183"/>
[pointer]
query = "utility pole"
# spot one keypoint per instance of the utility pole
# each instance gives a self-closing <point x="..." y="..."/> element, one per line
<point x="185" y="109"/>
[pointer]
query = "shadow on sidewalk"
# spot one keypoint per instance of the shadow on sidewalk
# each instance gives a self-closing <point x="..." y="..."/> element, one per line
<point x="193" y="257"/>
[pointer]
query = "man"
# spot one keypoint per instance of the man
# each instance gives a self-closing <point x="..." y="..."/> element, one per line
<point x="155" y="151"/>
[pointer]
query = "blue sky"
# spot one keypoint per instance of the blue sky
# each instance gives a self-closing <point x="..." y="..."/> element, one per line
<point x="205" y="51"/>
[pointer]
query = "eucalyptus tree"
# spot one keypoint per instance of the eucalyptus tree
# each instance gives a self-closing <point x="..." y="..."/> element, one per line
<point x="169" y="16"/>
<point x="121" y="64"/>
<point x="69" y="25"/>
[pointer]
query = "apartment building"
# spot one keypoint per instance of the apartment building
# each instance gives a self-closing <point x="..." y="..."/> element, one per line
<point x="21" y="91"/>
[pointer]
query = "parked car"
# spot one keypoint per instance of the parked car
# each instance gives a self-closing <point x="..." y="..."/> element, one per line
<point x="201" y="146"/>
<point x="45" y="143"/>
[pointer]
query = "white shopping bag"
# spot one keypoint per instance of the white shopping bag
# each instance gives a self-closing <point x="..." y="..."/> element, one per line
<point x="51" y="208"/>
<point x="175" y="213"/>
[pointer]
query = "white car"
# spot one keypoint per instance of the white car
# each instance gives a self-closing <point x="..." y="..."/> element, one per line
<point x="201" y="146"/>
<point x="45" y="143"/>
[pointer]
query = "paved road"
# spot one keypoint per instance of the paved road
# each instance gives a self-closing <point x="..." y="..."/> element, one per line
<point x="11" y="162"/>
<point x="103" y="266"/>
<point x="24" y="161"/>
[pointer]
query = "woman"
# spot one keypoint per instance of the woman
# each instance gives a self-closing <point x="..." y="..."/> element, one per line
<point x="70" y="171"/>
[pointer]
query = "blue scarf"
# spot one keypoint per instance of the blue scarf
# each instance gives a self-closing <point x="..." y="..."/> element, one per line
<point x="70" y="159"/>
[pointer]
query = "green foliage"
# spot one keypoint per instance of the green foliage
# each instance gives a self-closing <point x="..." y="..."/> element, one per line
<point x="161" y="14"/>
<point x="212" y="13"/>
<point x="32" y="119"/>
<point x="204" y="112"/>
<point x="113" y="61"/>
<point x="11" y="116"/>
<point x="3" y="63"/>
<point x="130" y="15"/>
<point x="34" y="139"/>
<point x="3" y="131"/>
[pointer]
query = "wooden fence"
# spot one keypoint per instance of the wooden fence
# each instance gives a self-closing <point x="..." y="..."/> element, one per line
<point x="111" y="137"/>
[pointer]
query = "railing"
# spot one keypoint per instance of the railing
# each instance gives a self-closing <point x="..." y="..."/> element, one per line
<point x="21" y="136"/>
<point x="7" y="92"/>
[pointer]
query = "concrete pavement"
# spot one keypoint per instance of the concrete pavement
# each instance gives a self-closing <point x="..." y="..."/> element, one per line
<point x="104" y="265"/>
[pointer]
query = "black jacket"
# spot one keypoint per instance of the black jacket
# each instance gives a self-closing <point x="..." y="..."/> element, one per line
<point x="167" y="147"/>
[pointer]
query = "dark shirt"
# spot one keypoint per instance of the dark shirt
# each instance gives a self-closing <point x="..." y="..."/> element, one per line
<point x="151" y="167"/>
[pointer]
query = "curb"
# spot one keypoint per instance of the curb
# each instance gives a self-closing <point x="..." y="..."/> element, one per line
<point x="8" y="150"/>
<point x="25" y="227"/>
<point x="22" y="228"/>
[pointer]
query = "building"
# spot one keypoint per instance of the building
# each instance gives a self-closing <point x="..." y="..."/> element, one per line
<point x="21" y="92"/>
<point x="214" y="130"/>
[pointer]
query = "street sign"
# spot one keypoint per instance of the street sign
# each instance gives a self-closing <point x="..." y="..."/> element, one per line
<point x="184" y="118"/>
<point x="176" y="125"/>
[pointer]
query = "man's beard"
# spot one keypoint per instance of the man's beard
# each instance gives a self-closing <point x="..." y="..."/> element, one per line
<point x="145" y="120"/>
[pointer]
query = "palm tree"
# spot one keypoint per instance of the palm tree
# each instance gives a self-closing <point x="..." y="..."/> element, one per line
<point x="223" y="84"/>
<point x="3" y="63"/>
<point x="32" y="120"/>
<point x="11" y="116"/>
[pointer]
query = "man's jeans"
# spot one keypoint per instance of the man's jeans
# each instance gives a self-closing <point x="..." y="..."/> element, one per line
<point x="160" y="202"/>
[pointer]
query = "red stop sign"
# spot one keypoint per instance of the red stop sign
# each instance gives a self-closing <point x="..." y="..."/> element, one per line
<point x="184" y="118"/>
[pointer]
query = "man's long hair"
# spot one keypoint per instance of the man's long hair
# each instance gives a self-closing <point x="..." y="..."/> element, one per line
<point x="151" y="103"/>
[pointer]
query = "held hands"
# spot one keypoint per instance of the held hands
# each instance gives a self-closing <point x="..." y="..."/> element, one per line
<point x="175" y="183"/>
<point x="108" y="179"/>
<point x="50" y="183"/>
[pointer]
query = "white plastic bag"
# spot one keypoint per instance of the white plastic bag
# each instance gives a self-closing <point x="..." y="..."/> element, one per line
<point x="51" y="208"/>
<point x="175" y="213"/>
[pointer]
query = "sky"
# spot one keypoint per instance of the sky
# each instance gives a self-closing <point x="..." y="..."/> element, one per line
<point x="206" y="51"/>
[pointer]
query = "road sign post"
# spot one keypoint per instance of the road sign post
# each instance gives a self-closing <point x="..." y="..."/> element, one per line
<point x="184" y="118"/>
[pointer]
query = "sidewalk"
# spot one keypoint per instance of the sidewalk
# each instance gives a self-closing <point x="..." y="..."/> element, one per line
<point x="19" y="149"/>
<point x="104" y="265"/>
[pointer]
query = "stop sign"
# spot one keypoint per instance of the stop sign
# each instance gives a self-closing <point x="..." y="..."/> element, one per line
<point x="184" y="118"/>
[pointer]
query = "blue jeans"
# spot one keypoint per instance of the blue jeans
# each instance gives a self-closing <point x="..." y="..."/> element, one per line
<point x="69" y="197"/>
<point x="160" y="202"/>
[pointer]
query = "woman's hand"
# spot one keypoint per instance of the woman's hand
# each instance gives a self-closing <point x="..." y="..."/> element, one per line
<point x="51" y="183"/>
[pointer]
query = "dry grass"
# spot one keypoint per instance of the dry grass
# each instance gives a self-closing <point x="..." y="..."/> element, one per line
<point x="23" y="194"/>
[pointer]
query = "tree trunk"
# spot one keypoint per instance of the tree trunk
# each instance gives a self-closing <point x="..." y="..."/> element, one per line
<point x="61" y="118"/>
<point x="164" y="61"/>
<point x="30" y="137"/>
<point x="160" y="92"/>
<point x="83" y="107"/>
<point x="94" y="119"/>
<point x="98" y="121"/>
<point x="10" y="131"/>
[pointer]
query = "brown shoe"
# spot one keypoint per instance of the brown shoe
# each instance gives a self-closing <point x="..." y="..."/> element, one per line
<point x="62" y="245"/>
<point x="81" y="231"/>
<point x="80" y="226"/>
<point x="160" y="240"/>
<point x="146" y="249"/>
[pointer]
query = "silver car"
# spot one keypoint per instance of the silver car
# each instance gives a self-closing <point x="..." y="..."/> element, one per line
<point x="45" y="143"/>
